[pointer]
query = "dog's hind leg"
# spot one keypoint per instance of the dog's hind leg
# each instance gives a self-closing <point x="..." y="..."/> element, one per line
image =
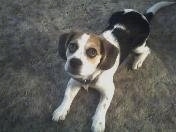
<point x="142" y="52"/>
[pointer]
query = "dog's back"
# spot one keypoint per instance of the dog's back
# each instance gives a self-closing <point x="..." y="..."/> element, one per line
<point x="130" y="29"/>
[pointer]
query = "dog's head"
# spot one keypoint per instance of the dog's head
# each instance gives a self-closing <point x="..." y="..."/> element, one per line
<point x="85" y="53"/>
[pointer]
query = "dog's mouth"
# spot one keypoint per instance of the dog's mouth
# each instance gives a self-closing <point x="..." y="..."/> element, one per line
<point x="76" y="75"/>
<point x="73" y="73"/>
<point x="81" y="79"/>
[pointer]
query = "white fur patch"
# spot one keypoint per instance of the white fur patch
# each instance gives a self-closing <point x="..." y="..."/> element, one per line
<point x="143" y="52"/>
<point x="140" y="49"/>
<point x="109" y="37"/>
<point x="83" y="39"/>
<point x="120" y="26"/>
<point x="128" y="10"/>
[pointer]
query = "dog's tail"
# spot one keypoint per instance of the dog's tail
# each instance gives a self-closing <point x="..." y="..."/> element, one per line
<point x="152" y="10"/>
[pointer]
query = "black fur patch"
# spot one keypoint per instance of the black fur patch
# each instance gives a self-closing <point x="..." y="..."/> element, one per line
<point x="135" y="34"/>
<point x="63" y="43"/>
<point x="149" y="16"/>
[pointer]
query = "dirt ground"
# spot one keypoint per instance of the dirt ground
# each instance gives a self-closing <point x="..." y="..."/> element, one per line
<point x="33" y="81"/>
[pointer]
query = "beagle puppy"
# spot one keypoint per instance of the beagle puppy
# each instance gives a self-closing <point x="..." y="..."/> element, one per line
<point x="92" y="60"/>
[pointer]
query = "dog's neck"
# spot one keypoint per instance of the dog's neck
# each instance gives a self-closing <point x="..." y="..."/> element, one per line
<point x="90" y="80"/>
<point x="84" y="81"/>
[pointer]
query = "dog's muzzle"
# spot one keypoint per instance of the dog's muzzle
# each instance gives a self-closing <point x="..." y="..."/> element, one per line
<point x="74" y="66"/>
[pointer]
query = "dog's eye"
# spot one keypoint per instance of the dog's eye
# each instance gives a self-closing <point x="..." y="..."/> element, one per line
<point x="72" y="47"/>
<point x="91" y="52"/>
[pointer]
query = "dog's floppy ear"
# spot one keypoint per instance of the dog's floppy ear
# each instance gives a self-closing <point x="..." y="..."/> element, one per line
<point x="109" y="54"/>
<point x="63" y="43"/>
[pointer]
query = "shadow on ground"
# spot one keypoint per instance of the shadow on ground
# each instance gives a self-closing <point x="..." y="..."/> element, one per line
<point x="32" y="78"/>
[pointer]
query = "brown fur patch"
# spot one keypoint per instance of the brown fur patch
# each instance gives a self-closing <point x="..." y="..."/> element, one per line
<point x="94" y="42"/>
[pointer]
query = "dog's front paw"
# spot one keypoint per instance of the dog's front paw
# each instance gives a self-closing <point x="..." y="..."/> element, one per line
<point x="59" y="114"/>
<point x="98" y="124"/>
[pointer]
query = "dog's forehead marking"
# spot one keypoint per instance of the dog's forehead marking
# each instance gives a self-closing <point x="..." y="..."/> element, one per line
<point x="83" y="39"/>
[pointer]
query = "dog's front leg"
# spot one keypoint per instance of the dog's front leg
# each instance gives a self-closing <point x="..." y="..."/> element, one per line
<point x="71" y="91"/>
<point x="107" y="92"/>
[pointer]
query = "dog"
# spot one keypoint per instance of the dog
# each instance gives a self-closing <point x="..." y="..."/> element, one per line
<point x="92" y="60"/>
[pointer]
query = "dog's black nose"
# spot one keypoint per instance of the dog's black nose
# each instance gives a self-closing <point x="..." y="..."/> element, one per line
<point x="75" y="63"/>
